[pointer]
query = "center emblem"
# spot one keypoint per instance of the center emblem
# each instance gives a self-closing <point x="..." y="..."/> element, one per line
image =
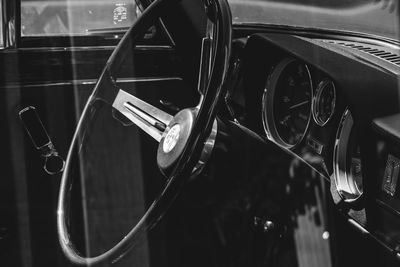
<point x="171" y="138"/>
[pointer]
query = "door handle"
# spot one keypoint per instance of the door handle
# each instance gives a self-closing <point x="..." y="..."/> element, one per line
<point x="53" y="162"/>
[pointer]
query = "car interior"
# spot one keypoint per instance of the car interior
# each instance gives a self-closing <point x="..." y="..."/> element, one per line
<point x="187" y="133"/>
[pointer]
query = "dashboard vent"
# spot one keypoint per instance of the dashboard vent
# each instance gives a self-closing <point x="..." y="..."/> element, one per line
<point x="376" y="51"/>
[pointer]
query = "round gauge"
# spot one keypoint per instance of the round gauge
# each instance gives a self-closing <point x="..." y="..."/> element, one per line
<point x="347" y="161"/>
<point x="324" y="102"/>
<point x="287" y="102"/>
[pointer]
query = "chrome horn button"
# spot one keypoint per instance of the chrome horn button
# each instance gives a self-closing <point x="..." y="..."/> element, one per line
<point x="171" y="138"/>
<point x="174" y="138"/>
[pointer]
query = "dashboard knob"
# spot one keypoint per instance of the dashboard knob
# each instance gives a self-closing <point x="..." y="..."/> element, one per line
<point x="264" y="225"/>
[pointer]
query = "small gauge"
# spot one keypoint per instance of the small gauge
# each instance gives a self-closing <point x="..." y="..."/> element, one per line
<point x="324" y="102"/>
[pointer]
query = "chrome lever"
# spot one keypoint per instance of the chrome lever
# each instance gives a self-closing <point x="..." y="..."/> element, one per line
<point x="145" y="117"/>
<point x="150" y="119"/>
<point x="54" y="163"/>
<point x="205" y="65"/>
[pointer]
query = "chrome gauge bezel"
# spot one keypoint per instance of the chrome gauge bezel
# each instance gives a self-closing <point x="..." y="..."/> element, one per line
<point x="268" y="117"/>
<point x="344" y="182"/>
<point x="316" y="100"/>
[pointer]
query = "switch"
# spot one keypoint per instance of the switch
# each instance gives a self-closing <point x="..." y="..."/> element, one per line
<point x="391" y="175"/>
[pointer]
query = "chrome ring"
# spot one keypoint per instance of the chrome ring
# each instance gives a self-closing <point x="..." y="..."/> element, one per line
<point x="316" y="100"/>
<point x="268" y="104"/>
<point x="345" y="184"/>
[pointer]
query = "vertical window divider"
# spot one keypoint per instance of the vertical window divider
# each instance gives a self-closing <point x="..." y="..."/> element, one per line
<point x="10" y="23"/>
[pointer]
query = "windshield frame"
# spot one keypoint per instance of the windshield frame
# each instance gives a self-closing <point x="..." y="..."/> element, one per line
<point x="315" y="32"/>
<point x="11" y="37"/>
<point x="368" y="19"/>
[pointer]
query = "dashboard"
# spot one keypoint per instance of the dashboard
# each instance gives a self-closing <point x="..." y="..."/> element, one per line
<point x="330" y="101"/>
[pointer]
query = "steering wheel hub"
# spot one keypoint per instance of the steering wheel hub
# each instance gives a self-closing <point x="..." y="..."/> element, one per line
<point x="174" y="138"/>
<point x="171" y="138"/>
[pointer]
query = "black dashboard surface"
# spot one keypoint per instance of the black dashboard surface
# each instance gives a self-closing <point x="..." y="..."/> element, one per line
<point x="365" y="74"/>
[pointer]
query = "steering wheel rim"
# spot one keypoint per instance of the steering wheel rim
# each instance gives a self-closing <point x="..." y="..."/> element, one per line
<point x="188" y="157"/>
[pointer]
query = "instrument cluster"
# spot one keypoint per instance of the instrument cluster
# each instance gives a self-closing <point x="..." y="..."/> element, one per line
<point x="301" y="112"/>
<point x="291" y="101"/>
<point x="286" y="104"/>
<point x="296" y="93"/>
<point x="332" y="107"/>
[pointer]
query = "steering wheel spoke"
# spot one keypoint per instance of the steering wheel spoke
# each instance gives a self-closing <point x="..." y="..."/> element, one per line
<point x="206" y="56"/>
<point x="150" y="119"/>
<point x="205" y="65"/>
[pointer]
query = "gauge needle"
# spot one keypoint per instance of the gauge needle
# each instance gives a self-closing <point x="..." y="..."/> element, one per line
<point x="299" y="104"/>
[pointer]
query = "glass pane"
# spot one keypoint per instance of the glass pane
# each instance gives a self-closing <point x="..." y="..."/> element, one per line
<point x="75" y="17"/>
<point x="1" y="25"/>
<point x="377" y="17"/>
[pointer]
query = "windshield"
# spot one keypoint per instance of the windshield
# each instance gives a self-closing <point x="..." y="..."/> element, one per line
<point x="377" y="17"/>
<point x="76" y="17"/>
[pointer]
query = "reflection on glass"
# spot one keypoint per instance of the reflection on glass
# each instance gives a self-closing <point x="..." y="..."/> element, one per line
<point x="354" y="16"/>
<point x="74" y="17"/>
<point x="356" y="170"/>
<point x="1" y="26"/>
<point x="109" y="191"/>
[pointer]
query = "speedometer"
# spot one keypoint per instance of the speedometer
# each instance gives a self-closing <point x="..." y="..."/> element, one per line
<point x="287" y="102"/>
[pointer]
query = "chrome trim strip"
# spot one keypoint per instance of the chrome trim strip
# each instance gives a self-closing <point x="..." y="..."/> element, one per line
<point x="154" y="47"/>
<point x="164" y="28"/>
<point x="358" y="226"/>
<point x="387" y="207"/>
<point x="205" y="65"/>
<point x="375" y="236"/>
<point x="90" y="82"/>
<point x="150" y="119"/>
<point x="91" y="48"/>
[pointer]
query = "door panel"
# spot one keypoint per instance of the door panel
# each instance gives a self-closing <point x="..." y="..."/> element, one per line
<point x="58" y="82"/>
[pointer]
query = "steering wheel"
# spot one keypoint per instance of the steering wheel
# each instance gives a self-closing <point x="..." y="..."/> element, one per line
<point x="185" y="140"/>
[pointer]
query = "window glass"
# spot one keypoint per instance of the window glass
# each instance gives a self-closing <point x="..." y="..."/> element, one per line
<point x="377" y="17"/>
<point x="75" y="17"/>
<point x="1" y="24"/>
